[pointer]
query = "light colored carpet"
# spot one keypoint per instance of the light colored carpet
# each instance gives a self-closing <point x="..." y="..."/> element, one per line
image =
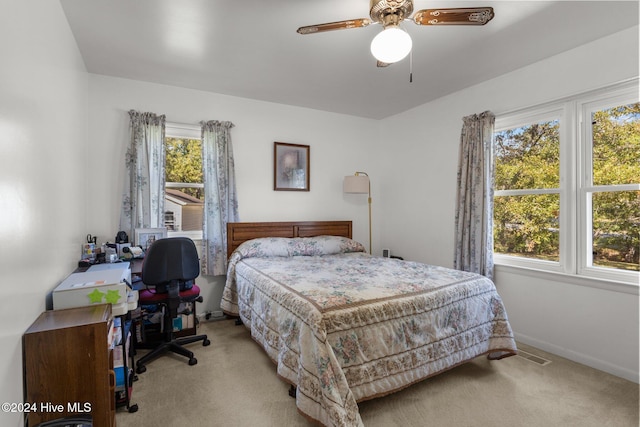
<point x="235" y="384"/>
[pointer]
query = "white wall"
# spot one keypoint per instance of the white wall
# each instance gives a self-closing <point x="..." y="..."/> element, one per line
<point x="594" y="326"/>
<point x="43" y="172"/>
<point x="340" y="145"/>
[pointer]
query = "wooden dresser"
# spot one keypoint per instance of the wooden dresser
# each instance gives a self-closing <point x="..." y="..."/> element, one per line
<point x="68" y="365"/>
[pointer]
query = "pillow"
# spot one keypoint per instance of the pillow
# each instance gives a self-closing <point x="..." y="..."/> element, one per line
<point x="298" y="246"/>
<point x="322" y="245"/>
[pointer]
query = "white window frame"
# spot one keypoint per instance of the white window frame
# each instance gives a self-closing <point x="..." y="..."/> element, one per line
<point x="548" y="112"/>
<point x="586" y="187"/>
<point x="180" y="130"/>
<point x="574" y="114"/>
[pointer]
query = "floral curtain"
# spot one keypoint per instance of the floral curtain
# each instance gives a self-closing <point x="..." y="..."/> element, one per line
<point x="474" y="201"/>
<point x="221" y="200"/>
<point x="143" y="198"/>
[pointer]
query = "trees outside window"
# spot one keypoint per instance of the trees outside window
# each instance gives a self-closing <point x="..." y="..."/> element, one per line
<point x="527" y="184"/>
<point x="183" y="164"/>
<point x="567" y="186"/>
<point x="613" y="205"/>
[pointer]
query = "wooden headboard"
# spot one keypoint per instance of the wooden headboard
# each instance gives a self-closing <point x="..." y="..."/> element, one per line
<point x="238" y="232"/>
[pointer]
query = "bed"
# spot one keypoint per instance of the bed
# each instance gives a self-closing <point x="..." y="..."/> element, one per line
<point x="343" y="326"/>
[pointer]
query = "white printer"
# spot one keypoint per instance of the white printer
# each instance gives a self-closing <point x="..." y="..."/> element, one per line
<point x="100" y="284"/>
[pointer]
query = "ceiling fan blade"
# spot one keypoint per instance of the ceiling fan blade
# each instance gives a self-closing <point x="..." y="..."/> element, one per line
<point x="330" y="26"/>
<point x="454" y="16"/>
<point x="381" y="64"/>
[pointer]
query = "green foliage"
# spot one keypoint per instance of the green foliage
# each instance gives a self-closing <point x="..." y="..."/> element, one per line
<point x="528" y="157"/>
<point x="616" y="160"/>
<point x="184" y="163"/>
<point x="527" y="225"/>
<point x="616" y="145"/>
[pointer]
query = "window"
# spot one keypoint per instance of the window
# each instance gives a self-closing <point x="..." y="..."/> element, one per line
<point x="184" y="188"/>
<point x="527" y="189"/>
<point x="567" y="186"/>
<point x="610" y="188"/>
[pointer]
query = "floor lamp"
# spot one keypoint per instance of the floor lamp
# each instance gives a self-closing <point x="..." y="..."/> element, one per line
<point x="359" y="184"/>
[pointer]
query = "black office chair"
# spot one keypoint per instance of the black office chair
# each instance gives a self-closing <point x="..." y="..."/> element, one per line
<point x="169" y="268"/>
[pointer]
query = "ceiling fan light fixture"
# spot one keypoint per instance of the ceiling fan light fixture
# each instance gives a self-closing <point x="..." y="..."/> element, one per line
<point x="391" y="45"/>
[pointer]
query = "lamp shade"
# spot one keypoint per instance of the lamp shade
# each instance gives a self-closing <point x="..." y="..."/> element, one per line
<point x="356" y="184"/>
<point x="391" y="45"/>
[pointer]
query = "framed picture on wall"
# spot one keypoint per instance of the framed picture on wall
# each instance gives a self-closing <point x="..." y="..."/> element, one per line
<point x="144" y="237"/>
<point x="290" y="167"/>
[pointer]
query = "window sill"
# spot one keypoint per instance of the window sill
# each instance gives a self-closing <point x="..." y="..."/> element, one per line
<point x="609" y="285"/>
<point x="193" y="235"/>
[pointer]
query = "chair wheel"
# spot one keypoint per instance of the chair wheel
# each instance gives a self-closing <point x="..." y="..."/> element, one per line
<point x="133" y="409"/>
<point x="141" y="369"/>
<point x="193" y="361"/>
<point x="206" y="343"/>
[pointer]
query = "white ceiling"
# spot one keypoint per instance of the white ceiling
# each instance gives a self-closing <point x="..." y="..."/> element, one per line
<point x="250" y="48"/>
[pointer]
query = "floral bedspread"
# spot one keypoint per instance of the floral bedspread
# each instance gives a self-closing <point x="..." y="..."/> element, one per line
<point x="344" y="326"/>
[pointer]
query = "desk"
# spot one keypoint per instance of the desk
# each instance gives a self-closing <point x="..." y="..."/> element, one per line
<point x="99" y="284"/>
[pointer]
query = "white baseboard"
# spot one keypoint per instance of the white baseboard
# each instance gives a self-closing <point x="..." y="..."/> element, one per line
<point x="584" y="359"/>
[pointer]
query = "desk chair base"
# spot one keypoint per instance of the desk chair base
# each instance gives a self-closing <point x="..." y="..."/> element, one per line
<point x="175" y="346"/>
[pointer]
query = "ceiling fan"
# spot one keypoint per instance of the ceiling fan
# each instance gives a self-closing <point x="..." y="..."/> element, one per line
<point x="393" y="44"/>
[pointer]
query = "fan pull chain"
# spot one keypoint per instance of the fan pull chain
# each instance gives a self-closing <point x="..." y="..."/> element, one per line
<point x="411" y="66"/>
